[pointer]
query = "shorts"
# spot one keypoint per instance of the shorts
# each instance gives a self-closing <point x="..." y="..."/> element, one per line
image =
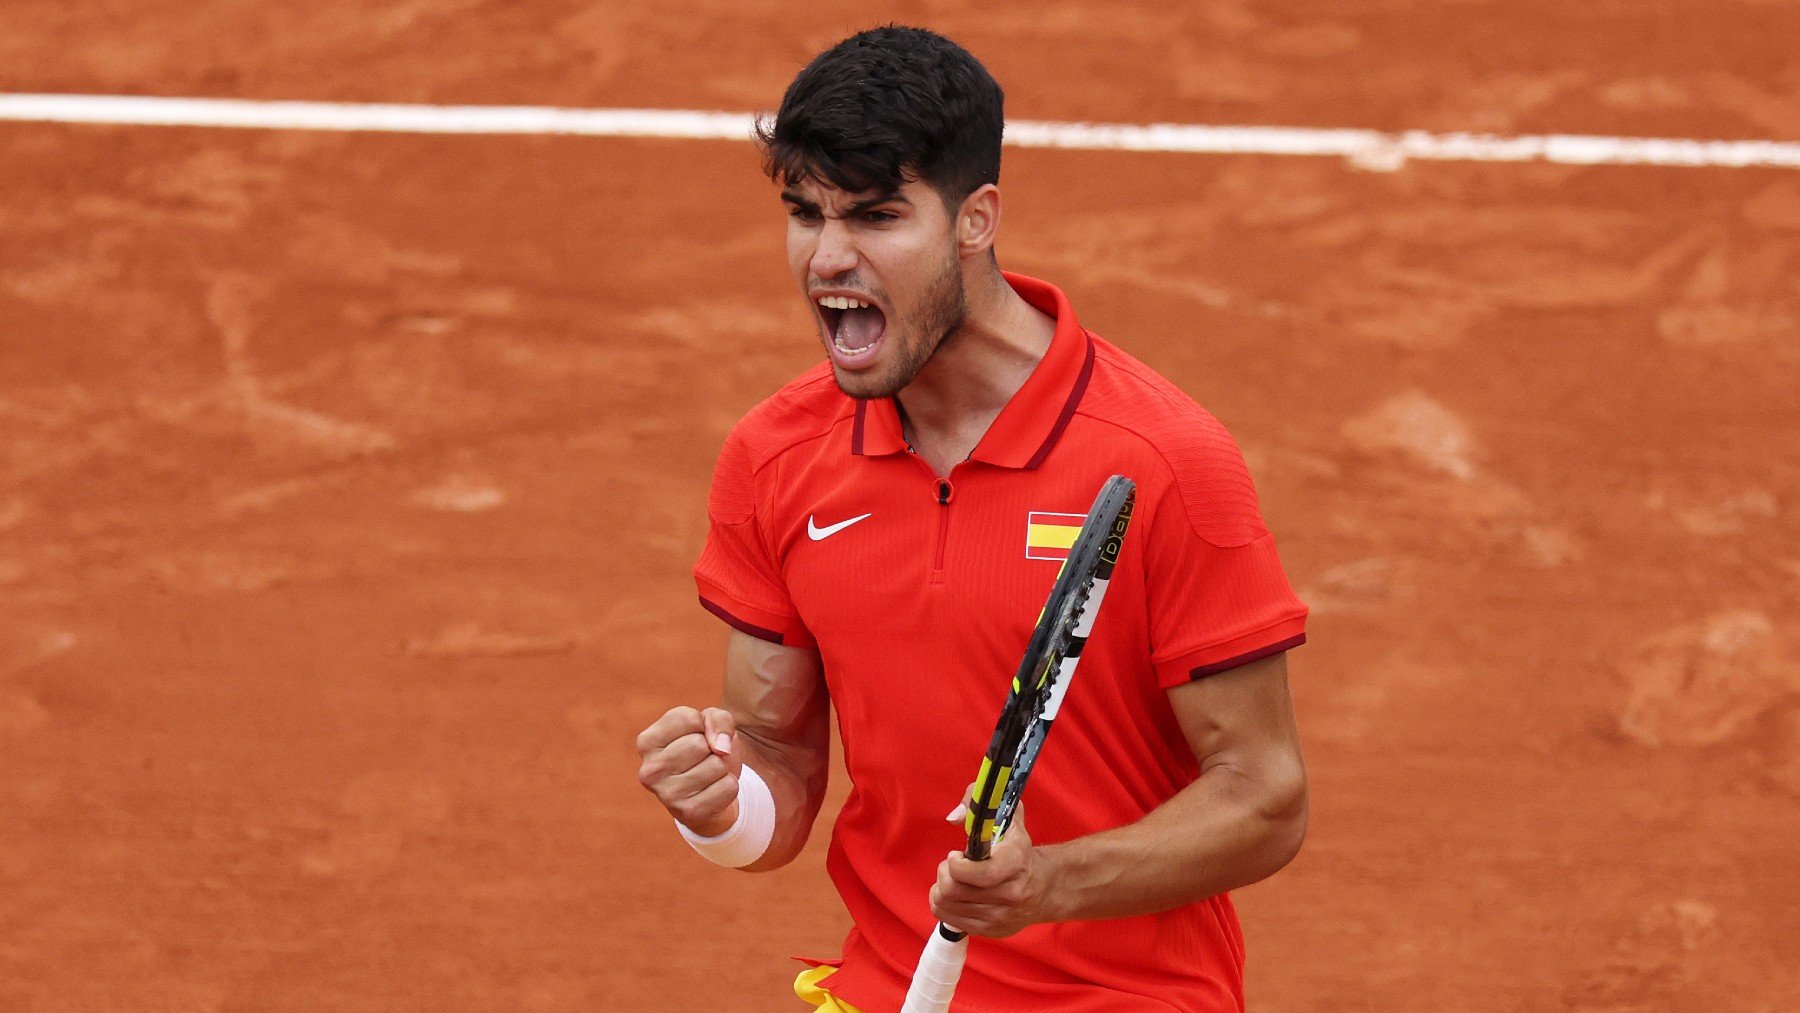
<point x="807" y="987"/>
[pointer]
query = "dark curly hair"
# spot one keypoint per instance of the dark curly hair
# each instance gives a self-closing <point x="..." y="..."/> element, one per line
<point x="885" y="107"/>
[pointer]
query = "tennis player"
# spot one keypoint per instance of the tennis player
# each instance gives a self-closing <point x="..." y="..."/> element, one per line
<point x="884" y="530"/>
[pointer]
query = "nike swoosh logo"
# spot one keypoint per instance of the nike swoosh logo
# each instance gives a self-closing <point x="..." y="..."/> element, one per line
<point x="819" y="534"/>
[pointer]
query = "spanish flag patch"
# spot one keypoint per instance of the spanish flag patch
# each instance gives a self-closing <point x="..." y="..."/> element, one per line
<point x="1050" y="535"/>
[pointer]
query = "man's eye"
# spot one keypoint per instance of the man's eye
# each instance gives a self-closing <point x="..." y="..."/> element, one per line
<point x="879" y="217"/>
<point x="803" y="215"/>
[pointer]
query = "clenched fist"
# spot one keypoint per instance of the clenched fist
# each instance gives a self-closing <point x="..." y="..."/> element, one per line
<point x="691" y="765"/>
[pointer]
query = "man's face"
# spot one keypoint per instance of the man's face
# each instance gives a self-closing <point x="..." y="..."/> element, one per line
<point x="893" y="252"/>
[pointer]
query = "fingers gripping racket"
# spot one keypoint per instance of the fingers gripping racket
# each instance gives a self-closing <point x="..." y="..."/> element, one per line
<point x="1037" y="694"/>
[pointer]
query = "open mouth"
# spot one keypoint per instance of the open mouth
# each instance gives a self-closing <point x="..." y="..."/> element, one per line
<point x="853" y="327"/>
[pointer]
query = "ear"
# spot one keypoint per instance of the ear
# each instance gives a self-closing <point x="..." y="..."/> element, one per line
<point x="978" y="221"/>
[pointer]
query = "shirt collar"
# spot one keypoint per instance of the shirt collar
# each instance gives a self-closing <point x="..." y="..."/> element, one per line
<point x="1033" y="420"/>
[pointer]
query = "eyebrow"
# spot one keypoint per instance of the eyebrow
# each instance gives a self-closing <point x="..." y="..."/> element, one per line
<point x="891" y="197"/>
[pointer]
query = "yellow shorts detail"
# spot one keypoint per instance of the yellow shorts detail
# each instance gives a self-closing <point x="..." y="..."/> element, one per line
<point x="807" y="987"/>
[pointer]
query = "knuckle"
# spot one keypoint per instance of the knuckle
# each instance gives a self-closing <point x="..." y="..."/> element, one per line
<point x="652" y="772"/>
<point x="692" y="809"/>
<point x="716" y="792"/>
<point x="720" y="792"/>
<point x="679" y="746"/>
<point x="704" y="778"/>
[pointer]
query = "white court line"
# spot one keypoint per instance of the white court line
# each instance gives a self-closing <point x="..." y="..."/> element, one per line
<point x="1369" y="149"/>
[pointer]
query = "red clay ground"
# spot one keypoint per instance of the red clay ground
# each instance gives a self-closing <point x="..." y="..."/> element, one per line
<point x="348" y="487"/>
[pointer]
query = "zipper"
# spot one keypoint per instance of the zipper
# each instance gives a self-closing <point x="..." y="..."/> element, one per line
<point x="943" y="492"/>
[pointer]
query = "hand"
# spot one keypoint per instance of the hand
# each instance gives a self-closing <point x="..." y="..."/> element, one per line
<point x="690" y="763"/>
<point x="998" y="897"/>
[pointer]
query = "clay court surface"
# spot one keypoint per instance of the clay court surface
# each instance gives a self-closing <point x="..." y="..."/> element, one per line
<point x="349" y="486"/>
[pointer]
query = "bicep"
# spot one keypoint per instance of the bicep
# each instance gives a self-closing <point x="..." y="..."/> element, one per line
<point x="777" y="694"/>
<point x="1240" y="724"/>
<point x="1243" y="719"/>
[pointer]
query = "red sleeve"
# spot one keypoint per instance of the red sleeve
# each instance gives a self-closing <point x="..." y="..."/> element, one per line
<point x="1216" y="593"/>
<point x="738" y="577"/>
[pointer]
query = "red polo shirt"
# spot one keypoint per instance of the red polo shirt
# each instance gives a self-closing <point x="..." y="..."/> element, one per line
<point x="919" y="594"/>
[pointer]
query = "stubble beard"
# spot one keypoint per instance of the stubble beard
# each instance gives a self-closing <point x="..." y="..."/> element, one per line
<point x="944" y="309"/>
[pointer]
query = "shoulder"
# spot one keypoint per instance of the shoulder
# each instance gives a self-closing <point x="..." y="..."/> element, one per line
<point x="807" y="409"/>
<point x="1205" y="470"/>
<point x="797" y="415"/>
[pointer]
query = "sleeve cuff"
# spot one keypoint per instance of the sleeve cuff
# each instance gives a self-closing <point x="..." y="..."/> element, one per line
<point x="1217" y="658"/>
<point x="773" y="627"/>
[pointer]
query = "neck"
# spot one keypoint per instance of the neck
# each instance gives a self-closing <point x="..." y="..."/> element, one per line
<point x="949" y="405"/>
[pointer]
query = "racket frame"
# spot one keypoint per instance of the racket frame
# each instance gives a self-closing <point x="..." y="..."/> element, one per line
<point x="1038" y="688"/>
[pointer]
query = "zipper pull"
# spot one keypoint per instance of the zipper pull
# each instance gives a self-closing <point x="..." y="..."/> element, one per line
<point x="944" y="491"/>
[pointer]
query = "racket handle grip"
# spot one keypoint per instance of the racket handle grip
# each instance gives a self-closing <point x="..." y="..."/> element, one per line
<point x="940" y="967"/>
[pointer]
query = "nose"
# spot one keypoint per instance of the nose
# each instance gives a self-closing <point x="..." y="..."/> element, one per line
<point x="835" y="253"/>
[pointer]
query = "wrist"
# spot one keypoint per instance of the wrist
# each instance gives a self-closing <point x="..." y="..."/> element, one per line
<point x="748" y="835"/>
<point x="1059" y="877"/>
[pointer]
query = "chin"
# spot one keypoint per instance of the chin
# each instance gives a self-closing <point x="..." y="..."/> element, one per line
<point x="863" y="385"/>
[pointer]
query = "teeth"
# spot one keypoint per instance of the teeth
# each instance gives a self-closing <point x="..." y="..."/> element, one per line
<point x="839" y="302"/>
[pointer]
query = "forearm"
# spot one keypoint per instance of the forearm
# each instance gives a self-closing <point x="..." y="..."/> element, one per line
<point x="777" y="698"/>
<point x="796" y="776"/>
<point x="1226" y="830"/>
<point x="1239" y="822"/>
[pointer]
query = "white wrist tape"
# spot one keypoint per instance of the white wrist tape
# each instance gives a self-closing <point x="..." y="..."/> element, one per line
<point x="749" y="837"/>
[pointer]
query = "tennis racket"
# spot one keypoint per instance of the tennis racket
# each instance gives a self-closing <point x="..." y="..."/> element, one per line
<point x="1037" y="694"/>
